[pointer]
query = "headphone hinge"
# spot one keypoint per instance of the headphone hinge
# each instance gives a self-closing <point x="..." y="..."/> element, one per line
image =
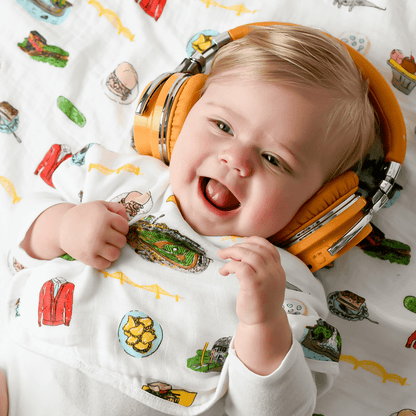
<point x="376" y="202"/>
<point x="221" y="39"/>
<point x="193" y="65"/>
<point x="196" y="63"/>
<point x="392" y="170"/>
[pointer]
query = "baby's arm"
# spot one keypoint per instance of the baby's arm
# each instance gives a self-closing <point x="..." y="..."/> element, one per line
<point x="263" y="337"/>
<point x="93" y="233"/>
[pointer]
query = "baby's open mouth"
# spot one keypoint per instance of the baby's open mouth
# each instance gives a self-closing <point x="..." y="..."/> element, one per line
<point x="219" y="195"/>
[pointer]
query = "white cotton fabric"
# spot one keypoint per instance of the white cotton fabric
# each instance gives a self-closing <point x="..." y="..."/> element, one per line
<point x="83" y="346"/>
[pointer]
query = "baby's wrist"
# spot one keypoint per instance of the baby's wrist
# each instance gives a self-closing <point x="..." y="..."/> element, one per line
<point x="262" y="347"/>
<point x="65" y="228"/>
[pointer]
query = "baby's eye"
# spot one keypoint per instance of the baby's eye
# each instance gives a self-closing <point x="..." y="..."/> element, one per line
<point x="224" y="127"/>
<point x="272" y="159"/>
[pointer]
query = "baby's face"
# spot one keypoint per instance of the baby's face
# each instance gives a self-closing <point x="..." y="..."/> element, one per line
<point x="248" y="156"/>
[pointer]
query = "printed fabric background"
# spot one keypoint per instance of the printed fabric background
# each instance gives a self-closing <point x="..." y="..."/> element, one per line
<point x="71" y="74"/>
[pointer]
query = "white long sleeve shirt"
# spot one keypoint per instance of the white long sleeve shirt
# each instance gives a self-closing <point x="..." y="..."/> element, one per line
<point x="158" y="325"/>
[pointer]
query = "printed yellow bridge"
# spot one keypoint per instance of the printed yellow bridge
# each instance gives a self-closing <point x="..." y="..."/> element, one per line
<point x="239" y="8"/>
<point x="150" y="288"/>
<point x="113" y="18"/>
<point x="374" y="368"/>
<point x="106" y="171"/>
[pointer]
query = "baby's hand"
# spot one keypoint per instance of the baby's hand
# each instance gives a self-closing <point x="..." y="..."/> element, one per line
<point x="94" y="232"/>
<point x="256" y="263"/>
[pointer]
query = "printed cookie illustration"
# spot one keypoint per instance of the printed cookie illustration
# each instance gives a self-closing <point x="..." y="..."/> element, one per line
<point x="71" y="111"/>
<point x="122" y="85"/>
<point x="295" y="307"/>
<point x="78" y="158"/>
<point x="403" y="71"/>
<point x="55" y="302"/>
<point x="356" y="40"/>
<point x="51" y="11"/>
<point x="352" y="3"/>
<point x="55" y="156"/>
<point x="139" y="335"/>
<point x="348" y="305"/>
<point x="153" y="8"/>
<point x="35" y="45"/>
<point x="160" y="244"/>
<point x="135" y="203"/>
<point x="206" y="360"/>
<point x="409" y="303"/>
<point x="404" y="412"/>
<point x="200" y="41"/>
<point x="166" y="392"/>
<point x="9" y="119"/>
<point x="321" y="342"/>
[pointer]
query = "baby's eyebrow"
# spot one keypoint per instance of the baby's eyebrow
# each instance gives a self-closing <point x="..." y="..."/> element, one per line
<point x="223" y="107"/>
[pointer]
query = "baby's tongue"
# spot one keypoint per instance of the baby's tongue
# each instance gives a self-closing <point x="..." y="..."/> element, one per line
<point x="220" y="196"/>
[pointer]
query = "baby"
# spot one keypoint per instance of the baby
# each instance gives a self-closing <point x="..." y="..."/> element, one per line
<point x="196" y="325"/>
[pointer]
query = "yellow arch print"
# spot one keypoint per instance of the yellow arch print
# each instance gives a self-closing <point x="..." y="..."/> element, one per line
<point x="106" y="171"/>
<point x="233" y="238"/>
<point x="374" y="368"/>
<point x="239" y="8"/>
<point x="10" y="189"/>
<point x="113" y="18"/>
<point x="150" y="288"/>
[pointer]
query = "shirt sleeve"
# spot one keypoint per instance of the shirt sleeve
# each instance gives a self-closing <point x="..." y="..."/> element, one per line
<point x="69" y="182"/>
<point x="289" y="390"/>
<point x="310" y="366"/>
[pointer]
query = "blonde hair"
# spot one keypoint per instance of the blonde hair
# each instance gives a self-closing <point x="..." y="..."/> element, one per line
<point x="310" y="60"/>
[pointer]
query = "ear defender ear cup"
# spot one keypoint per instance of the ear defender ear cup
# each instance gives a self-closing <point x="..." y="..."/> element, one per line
<point x="330" y="195"/>
<point x="312" y="248"/>
<point x="147" y="127"/>
<point x="185" y="99"/>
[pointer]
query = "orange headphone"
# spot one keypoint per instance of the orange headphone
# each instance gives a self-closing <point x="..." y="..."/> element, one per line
<point x="337" y="217"/>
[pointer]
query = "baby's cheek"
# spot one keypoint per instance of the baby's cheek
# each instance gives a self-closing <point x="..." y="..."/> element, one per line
<point x="270" y="217"/>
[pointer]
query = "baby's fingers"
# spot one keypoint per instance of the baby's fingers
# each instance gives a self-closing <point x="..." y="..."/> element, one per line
<point x="238" y="268"/>
<point x="264" y="244"/>
<point x="245" y="254"/>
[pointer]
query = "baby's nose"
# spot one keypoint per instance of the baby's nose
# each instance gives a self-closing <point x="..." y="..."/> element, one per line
<point x="238" y="159"/>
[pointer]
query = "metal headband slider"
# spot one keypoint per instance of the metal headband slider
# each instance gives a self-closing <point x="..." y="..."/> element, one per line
<point x="196" y="63"/>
